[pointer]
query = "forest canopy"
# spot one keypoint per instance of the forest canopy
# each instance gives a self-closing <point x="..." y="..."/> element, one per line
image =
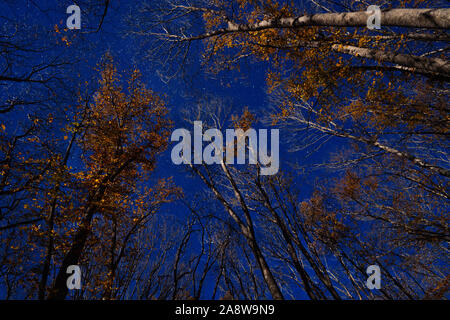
<point x="355" y="120"/>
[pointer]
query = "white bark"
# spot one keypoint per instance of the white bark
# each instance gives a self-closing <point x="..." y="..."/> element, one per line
<point x="432" y="65"/>
<point x="407" y="18"/>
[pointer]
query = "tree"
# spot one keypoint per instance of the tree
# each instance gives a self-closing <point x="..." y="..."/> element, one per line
<point x="106" y="196"/>
<point x="78" y="159"/>
<point x="122" y="139"/>
<point x="325" y="243"/>
<point x="384" y="92"/>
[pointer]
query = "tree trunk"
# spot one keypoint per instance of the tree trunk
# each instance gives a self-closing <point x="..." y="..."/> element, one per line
<point x="247" y="231"/>
<point x="59" y="290"/>
<point x="432" y="65"/>
<point x="407" y="18"/>
<point x="51" y="222"/>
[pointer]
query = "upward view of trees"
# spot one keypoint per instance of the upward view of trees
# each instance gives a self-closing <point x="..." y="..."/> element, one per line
<point x="364" y="177"/>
